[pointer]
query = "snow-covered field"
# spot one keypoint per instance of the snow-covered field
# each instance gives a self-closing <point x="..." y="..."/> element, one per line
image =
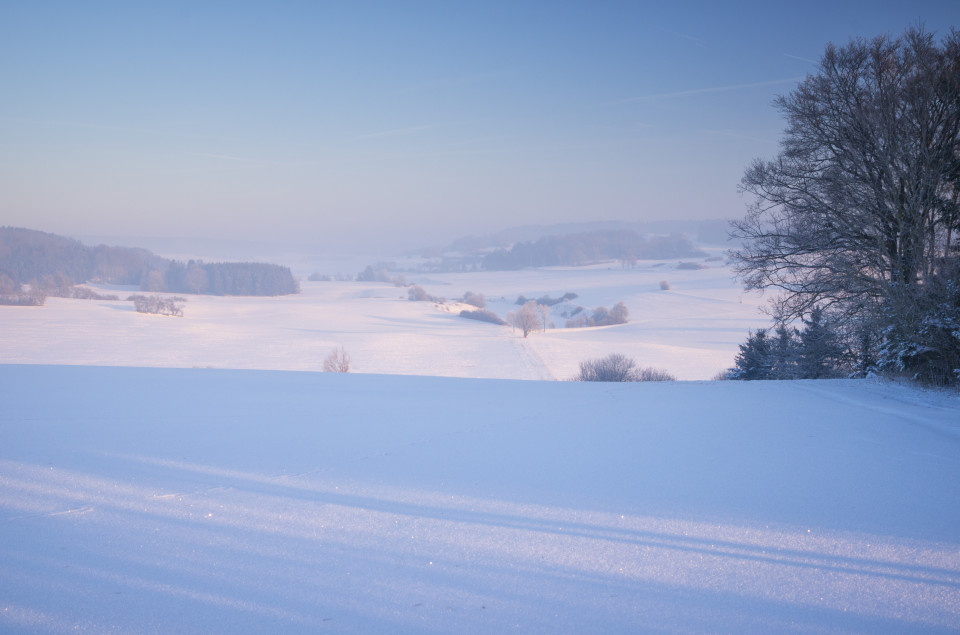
<point x="691" y="330"/>
<point x="199" y="501"/>
<point x="164" y="474"/>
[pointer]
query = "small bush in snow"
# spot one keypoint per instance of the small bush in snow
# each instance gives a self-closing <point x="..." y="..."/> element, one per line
<point x="615" y="367"/>
<point x="158" y="305"/>
<point x="653" y="374"/>
<point x="337" y="361"/>
<point x="664" y="285"/>
<point x="619" y="368"/>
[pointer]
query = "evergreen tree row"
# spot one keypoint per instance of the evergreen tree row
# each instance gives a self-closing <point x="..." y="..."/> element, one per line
<point x="814" y="352"/>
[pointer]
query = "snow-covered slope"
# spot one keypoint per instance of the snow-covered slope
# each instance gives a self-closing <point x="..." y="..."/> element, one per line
<point x="692" y="330"/>
<point x="198" y="501"/>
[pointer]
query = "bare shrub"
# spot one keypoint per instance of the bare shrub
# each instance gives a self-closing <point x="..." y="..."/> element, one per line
<point x="619" y="368"/>
<point x="337" y="361"/>
<point x="653" y="374"/>
<point x="158" y="305"/>
<point x="84" y="293"/>
<point x="23" y="298"/>
<point x="614" y="367"/>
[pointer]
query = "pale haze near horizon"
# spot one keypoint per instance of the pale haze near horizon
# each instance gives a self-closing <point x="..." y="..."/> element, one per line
<point x="415" y="122"/>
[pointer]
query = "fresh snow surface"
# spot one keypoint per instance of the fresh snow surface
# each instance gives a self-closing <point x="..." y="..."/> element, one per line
<point x="692" y="330"/>
<point x="244" y="501"/>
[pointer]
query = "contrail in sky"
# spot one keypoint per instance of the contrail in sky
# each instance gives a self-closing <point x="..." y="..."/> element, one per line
<point x="704" y="91"/>
<point x="684" y="36"/>
<point x="802" y="59"/>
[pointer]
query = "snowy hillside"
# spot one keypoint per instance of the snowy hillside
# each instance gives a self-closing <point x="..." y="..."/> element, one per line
<point x="198" y="501"/>
<point x="692" y="330"/>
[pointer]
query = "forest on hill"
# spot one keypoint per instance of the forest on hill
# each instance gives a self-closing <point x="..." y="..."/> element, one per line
<point x="590" y="247"/>
<point x="50" y="263"/>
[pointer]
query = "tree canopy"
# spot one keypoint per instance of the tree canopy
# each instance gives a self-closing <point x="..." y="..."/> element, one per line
<point x="863" y="195"/>
<point x="858" y="213"/>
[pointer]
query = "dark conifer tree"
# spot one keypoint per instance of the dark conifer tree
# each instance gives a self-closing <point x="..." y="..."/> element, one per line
<point x="753" y="360"/>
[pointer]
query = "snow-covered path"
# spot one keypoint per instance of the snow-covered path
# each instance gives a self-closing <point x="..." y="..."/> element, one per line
<point x="254" y="501"/>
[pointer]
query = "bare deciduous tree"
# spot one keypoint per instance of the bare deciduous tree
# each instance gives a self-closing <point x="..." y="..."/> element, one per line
<point x="416" y="293"/>
<point x="861" y="202"/>
<point x="544" y="313"/>
<point x="527" y="318"/>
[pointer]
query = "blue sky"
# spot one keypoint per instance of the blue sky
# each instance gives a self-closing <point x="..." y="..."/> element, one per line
<point x="317" y="121"/>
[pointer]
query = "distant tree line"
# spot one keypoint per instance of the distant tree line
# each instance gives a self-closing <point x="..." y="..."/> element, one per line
<point x="224" y="278"/>
<point x="600" y="316"/>
<point x="51" y="264"/>
<point x="546" y="300"/>
<point x="30" y="256"/>
<point x="587" y="248"/>
<point x="379" y="272"/>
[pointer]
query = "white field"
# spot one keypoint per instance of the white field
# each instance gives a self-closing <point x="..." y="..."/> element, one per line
<point x="692" y="330"/>
<point x="218" y="501"/>
<point x="196" y="500"/>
